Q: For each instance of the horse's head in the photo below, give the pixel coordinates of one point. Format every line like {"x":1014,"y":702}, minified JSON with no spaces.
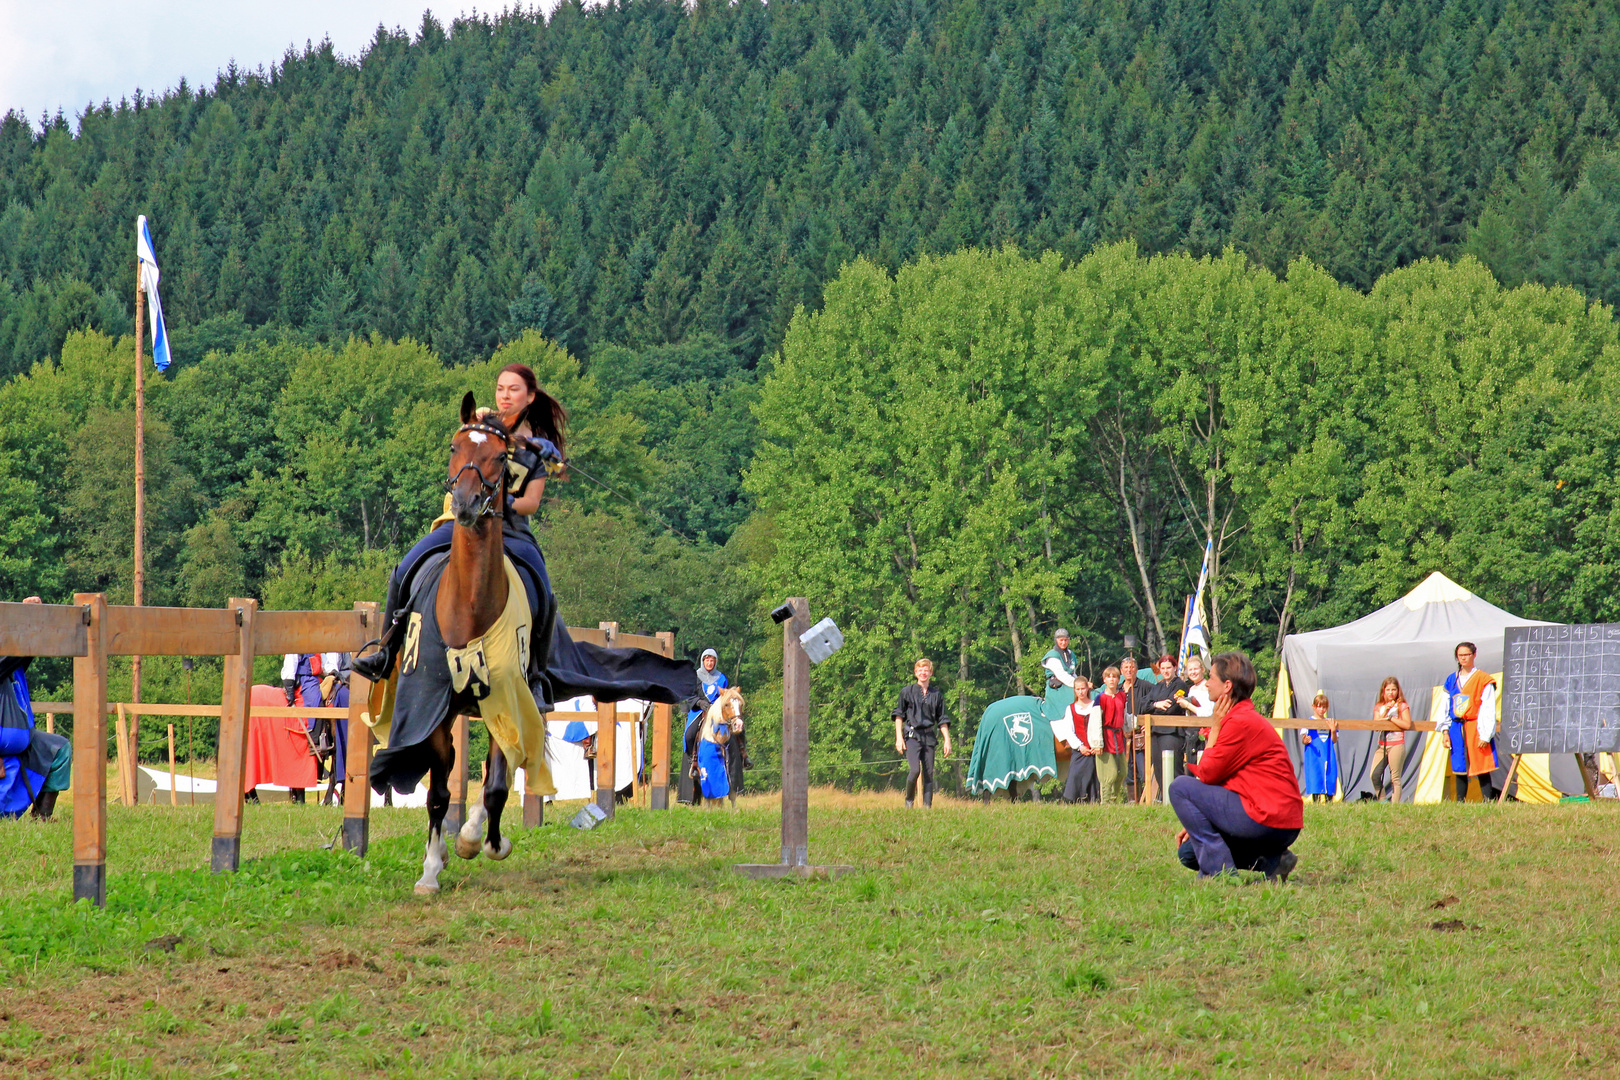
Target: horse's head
{"x":728,"y":709}
{"x":477,"y":483}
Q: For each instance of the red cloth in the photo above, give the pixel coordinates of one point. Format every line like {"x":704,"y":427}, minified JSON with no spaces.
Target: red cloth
{"x":1113,"y":721}
{"x":1248,"y":758}
{"x":277,"y":747}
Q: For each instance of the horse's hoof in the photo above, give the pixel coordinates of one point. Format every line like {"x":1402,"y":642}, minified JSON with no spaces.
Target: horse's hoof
{"x":468,"y":849}
{"x":506,"y":849}
{"x":424,"y":889}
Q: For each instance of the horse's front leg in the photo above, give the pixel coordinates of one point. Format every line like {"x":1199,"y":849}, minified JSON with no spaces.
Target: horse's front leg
{"x":442,"y":747}
{"x":497,"y":784}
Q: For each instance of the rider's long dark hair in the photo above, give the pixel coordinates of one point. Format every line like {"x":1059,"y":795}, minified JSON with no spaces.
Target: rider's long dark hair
{"x":545,"y":415}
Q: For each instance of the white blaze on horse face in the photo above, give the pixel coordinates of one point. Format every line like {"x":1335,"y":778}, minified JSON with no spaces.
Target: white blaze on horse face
{"x":478,"y":437}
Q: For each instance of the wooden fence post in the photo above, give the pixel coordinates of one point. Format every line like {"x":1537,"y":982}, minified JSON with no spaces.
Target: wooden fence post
{"x":357,"y":763}
{"x":456,"y":815}
{"x":795,"y":737}
{"x":660,"y":738}
{"x":607,"y":740}
{"x":90,"y":755}
{"x":234,"y":700}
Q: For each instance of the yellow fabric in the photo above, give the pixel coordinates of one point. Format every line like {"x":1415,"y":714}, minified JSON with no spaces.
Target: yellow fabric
{"x":514,"y":720}
{"x":444,"y":515}
{"x":1283,"y":707}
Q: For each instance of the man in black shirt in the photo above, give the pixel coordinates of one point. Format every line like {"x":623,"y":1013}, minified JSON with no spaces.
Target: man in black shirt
{"x":919,"y":720}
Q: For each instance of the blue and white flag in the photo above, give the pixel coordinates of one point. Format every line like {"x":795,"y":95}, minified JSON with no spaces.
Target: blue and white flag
{"x":149,"y":280}
{"x":1193,"y":632}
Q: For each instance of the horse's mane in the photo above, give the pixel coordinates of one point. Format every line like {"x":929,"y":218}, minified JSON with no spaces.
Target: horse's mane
{"x":490,"y":418}
{"x":717,"y":711}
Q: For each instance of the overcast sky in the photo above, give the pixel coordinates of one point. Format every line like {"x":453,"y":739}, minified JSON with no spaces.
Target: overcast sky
{"x":70,"y":53}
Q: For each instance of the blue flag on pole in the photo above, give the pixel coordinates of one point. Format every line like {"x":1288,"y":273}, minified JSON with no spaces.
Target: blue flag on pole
{"x":149,"y":280}
{"x":1194,"y":632}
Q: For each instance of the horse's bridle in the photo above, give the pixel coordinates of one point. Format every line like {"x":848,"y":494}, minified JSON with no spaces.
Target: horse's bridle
{"x":489,"y":504}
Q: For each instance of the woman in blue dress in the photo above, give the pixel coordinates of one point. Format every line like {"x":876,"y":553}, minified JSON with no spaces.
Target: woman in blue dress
{"x":712,"y":681}
{"x":1321,"y":753}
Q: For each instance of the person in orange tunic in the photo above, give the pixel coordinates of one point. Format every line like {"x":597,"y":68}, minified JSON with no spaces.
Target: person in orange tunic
{"x":1470,"y":732}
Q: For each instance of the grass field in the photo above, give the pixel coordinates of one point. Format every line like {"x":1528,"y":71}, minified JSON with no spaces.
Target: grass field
{"x":1002,"y":940}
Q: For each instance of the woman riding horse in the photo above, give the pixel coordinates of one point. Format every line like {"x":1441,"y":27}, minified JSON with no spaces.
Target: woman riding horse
{"x":538,"y":424}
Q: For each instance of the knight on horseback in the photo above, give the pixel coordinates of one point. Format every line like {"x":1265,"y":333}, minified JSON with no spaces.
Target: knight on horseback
{"x":472,"y":628}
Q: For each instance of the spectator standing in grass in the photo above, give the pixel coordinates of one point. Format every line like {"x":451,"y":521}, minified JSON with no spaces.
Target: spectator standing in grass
{"x":1086,"y":717}
{"x":1321,"y":752}
{"x":920,"y":721}
{"x":1470,"y":727}
{"x":1159,"y":700}
{"x":1135,"y":692}
{"x":1196,"y":703}
{"x":1110,"y":757}
{"x":1390,"y":754}
{"x":1239,"y":807}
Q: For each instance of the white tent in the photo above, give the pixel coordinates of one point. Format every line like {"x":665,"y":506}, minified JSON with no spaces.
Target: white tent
{"x":1413,"y":639}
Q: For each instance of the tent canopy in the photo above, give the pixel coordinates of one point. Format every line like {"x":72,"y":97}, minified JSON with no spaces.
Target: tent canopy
{"x":1413,"y":639}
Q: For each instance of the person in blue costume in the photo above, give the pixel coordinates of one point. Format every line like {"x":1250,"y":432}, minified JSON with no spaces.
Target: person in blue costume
{"x":35,"y":765}
{"x":1320,"y":756}
{"x":712,"y":680}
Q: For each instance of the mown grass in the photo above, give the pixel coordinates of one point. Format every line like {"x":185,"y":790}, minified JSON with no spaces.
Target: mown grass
{"x":974,"y":940}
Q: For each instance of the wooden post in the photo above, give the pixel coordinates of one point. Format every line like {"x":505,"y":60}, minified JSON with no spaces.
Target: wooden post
{"x":1507,"y":781}
{"x":795,"y":737}
{"x":50,"y":723}
{"x":140,"y":472}
{"x":607,"y":739}
{"x":357,"y":763}
{"x":233,"y":735}
{"x":1147,"y":759}
{"x":534,"y":811}
{"x":456,"y":815}
{"x":1586,"y":777}
{"x":659,"y":799}
{"x":795,"y":759}
{"x":90,"y":754}
{"x":174,"y":795}
{"x":126,"y":782}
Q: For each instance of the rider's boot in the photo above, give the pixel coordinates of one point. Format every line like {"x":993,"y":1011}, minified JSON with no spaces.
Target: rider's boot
{"x":377,"y":666}
{"x":45,"y":805}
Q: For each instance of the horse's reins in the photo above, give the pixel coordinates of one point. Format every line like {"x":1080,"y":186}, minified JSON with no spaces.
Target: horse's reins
{"x":491,"y":488}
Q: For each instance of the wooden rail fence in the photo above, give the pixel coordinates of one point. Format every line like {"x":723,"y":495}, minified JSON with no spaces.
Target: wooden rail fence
{"x":90,"y":631}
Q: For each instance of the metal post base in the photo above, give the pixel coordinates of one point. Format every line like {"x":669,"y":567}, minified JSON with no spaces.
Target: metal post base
{"x":227,"y":854}
{"x":356,"y":833}
{"x":90,"y":883}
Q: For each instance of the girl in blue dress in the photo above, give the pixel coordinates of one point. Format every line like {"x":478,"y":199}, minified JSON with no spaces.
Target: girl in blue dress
{"x":1321,"y":753}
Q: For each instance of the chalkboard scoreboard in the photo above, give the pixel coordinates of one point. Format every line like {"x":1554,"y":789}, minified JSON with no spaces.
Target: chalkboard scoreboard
{"x":1561,"y":689}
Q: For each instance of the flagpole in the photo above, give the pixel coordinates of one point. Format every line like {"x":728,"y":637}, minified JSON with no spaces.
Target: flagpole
{"x":140,"y":488}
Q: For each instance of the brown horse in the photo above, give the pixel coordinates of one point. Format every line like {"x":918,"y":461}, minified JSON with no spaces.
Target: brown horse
{"x":472,"y":596}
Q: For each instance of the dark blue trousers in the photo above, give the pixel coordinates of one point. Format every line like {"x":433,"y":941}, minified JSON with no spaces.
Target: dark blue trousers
{"x":1221,"y":836}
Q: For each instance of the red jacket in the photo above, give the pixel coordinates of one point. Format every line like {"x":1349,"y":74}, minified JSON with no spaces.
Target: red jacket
{"x":1249,"y":758}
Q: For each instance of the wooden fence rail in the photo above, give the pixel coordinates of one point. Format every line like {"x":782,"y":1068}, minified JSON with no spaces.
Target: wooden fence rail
{"x":90,"y":631}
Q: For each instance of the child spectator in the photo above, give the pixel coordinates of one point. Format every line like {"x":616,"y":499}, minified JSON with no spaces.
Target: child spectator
{"x":1110,"y":758}
{"x":1086,"y":717}
{"x":1390,"y":753}
{"x":1321,"y":757}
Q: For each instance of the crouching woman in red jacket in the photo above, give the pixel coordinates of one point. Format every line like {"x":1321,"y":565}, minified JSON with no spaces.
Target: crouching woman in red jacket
{"x":1239,"y":807}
